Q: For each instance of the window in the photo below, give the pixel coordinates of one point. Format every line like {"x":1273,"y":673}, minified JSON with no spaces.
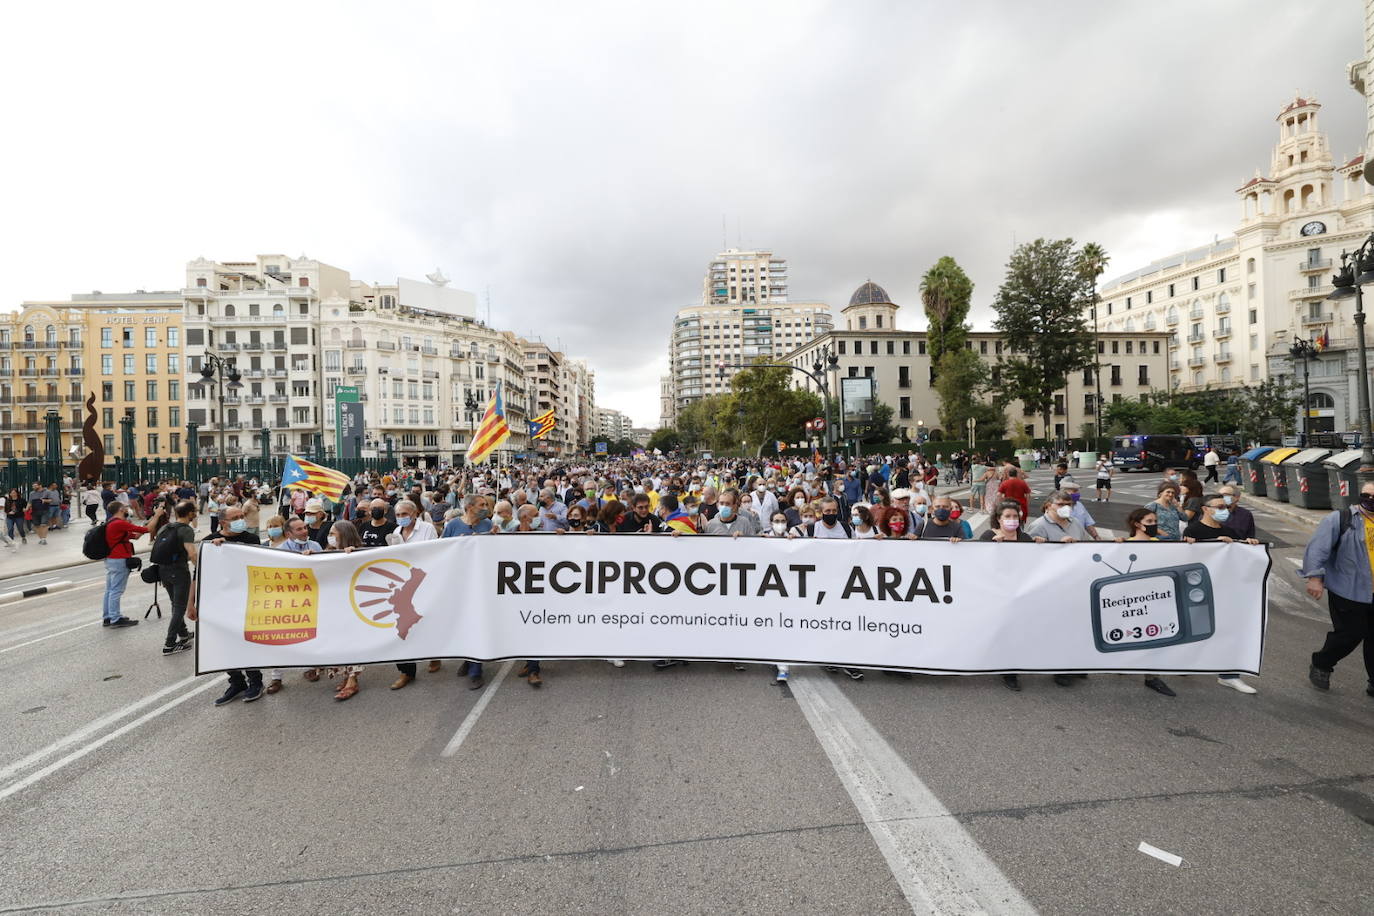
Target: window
{"x":174,"y":390}
{"x":903,"y":376}
{"x":1156,"y":348}
{"x":879,"y":320}
{"x":1116,"y":346}
{"x":150,"y":363}
{"x":1250,"y":291}
{"x":1089,"y":407}
{"x":1143,"y":376}
{"x":853,"y":371}
{"x":983,"y":347}
{"x":129,"y":393}
{"x":921,"y":347}
{"x":173,"y":338}
{"x":1129,"y":344}
{"x":107,"y":337}
{"x":1254,"y":316}
{"x":1171,"y":291}
{"x":174,"y":418}
{"x":107,"y":417}
{"x":904,"y":408}
{"x":107,"y":391}
{"x":891,"y":348}
{"x":1254,"y":373}
{"x":106,"y":364}
{"x":906,"y":348}
{"x":1116,"y":375}
{"x":1195,"y":284}
{"x":1221,"y":274}
{"x":150,"y":337}
{"x":152,"y":417}
{"x":1313,"y":281}
{"x":863,"y":323}
{"x":1149,"y":296}
{"x":1254,"y":341}
{"x":127,"y":337}
{"x":872,"y":348}
{"x":129,"y":364}
{"x":842,"y":348}
{"x":174,"y":442}
{"x":151,"y":393}
{"x":173,"y":363}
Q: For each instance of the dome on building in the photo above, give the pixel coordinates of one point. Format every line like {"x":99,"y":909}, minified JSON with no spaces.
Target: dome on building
{"x":869,"y":294}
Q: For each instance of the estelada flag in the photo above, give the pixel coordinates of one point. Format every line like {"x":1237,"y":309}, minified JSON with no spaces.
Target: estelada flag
{"x":492,"y":431}
{"x":314,"y":477}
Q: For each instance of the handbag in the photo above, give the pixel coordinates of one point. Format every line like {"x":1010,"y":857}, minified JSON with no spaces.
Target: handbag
{"x":133,"y":563}
{"x":150,"y":574}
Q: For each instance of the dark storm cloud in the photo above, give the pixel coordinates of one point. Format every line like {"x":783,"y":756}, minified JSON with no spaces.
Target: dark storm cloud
{"x":576,"y":160}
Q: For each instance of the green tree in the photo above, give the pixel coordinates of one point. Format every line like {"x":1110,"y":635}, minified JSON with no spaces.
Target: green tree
{"x":706,"y":424}
{"x":945,"y":292}
{"x":1040,"y":311}
{"x":666,"y":439}
{"x":962,"y":383}
{"x":1271,"y":405}
{"x":767,"y":408}
{"x":1094,"y":259}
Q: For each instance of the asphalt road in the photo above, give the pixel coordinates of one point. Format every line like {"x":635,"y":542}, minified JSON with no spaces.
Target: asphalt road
{"x":696,"y":789}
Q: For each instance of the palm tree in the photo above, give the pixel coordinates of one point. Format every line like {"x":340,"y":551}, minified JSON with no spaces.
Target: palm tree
{"x":1093,"y":259}
{"x":945,"y":292}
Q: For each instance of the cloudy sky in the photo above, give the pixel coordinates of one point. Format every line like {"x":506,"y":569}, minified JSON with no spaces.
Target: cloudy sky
{"x":575,"y":160}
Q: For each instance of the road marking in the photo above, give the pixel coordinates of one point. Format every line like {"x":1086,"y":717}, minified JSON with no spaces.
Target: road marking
{"x":18,"y":597}
{"x":939,"y":866}
{"x":49,"y":636}
{"x":1296,"y":561}
{"x":85,"y":732}
{"x":461,"y":734}
{"x":95,"y":745}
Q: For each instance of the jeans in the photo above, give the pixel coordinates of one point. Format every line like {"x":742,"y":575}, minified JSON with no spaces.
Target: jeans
{"x":15,"y":523}
{"x":116,"y":578}
{"x":1350,"y":625}
{"x":242,"y":679}
{"x":177,"y":579}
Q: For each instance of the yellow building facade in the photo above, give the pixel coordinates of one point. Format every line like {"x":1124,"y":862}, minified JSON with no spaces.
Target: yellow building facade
{"x":126,"y":349}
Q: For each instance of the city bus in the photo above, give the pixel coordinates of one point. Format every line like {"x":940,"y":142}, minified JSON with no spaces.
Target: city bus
{"x":1146,"y":452}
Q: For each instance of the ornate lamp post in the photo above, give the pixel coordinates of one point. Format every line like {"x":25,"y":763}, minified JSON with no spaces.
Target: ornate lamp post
{"x":1356,"y":270}
{"x":224,"y":374}
{"x":1303,"y":350}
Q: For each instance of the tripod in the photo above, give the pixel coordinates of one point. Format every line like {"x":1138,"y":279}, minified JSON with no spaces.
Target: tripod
{"x":155,"y":606}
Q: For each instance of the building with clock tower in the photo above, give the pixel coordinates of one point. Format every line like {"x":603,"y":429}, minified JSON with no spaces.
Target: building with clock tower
{"x":1234,"y":308}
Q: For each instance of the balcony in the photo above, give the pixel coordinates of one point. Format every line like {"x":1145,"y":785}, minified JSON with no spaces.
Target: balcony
{"x":429,"y":351}
{"x":277,"y":346}
{"x":1196,"y":362}
{"x":74,"y":398}
{"x":1175,"y":365}
{"x":1195,"y":314}
{"x":228,"y":347}
{"x":1223,"y":332}
{"x":1173,"y":342}
{"x":1322,"y":318}
{"x":1223,"y":308}
{"x":278,"y":398}
{"x":1116,"y":381}
{"x":28,"y":373}
{"x":254,"y":399}
{"x":1311,"y":292}
{"x":53,"y":398}
{"x":1196,"y":337}
{"x":1171,"y":319}
{"x":254,"y":373}
{"x":277,"y":373}
{"x":1224,"y":357}
{"x":50,"y":373}
{"x":430,"y":373}
{"x":6,"y":372}
{"x":1312,"y":265}
{"x":36,"y":345}
{"x":75,"y":371}
{"x":356,"y":345}
{"x":386,"y":345}
{"x":253,"y":347}
{"x":356,"y":370}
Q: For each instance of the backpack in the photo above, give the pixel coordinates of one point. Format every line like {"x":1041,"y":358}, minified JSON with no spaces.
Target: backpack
{"x":1340,"y":531}
{"x":167,"y":546}
{"x":94,"y":545}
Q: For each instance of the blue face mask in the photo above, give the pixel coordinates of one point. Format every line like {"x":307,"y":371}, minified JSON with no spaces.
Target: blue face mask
{"x":274,"y":532}
{"x":726,"y":512}
{"x":238,"y":525}
{"x":404,"y":521}
{"x":1221,"y":515}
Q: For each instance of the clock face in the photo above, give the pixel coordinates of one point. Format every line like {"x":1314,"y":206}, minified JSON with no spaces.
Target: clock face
{"x":1315,"y":227}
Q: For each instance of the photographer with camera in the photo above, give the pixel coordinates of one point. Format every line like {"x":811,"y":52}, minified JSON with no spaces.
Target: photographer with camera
{"x":120,"y":534}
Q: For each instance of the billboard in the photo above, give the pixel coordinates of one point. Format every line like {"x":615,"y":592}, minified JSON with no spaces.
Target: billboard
{"x":857,"y":400}
{"x":433,"y":298}
{"x":348,"y":422}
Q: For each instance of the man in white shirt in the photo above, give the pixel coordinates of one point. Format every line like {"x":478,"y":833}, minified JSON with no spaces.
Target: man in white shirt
{"x":1211,"y":461}
{"x":1058,"y":523}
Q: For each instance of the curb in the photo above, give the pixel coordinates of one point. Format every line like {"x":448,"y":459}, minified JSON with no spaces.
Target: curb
{"x":1302,"y":516}
{"x":9,"y":597}
{"x":63,"y":564}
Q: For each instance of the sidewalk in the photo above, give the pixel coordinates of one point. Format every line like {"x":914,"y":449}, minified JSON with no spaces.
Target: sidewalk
{"x":63,"y":549}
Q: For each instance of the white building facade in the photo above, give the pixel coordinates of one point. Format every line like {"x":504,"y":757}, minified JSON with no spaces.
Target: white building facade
{"x":1232,"y":309}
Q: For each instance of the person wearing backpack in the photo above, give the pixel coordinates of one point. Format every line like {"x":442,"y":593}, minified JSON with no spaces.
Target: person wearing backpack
{"x":119,"y":536}
{"x":173,"y":548}
{"x":1337,"y":563}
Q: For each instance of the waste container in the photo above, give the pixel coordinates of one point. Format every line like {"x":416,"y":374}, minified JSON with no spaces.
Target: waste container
{"x":1342,"y":486}
{"x":1271,"y":466}
{"x":1304,"y":477}
{"x":1251,"y":474}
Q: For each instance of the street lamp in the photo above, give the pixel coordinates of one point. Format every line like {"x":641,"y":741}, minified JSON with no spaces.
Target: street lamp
{"x":1357,"y":270}
{"x":223,"y":373}
{"x":1303,"y":350}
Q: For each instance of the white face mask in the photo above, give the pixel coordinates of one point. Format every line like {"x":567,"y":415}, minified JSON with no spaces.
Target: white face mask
{"x":333,"y":540}
{"x":1064,"y":511}
{"x":779,"y":527}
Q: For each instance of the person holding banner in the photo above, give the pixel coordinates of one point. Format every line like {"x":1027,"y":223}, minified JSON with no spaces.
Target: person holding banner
{"x":1210,"y":525}
{"x":1144,"y":525}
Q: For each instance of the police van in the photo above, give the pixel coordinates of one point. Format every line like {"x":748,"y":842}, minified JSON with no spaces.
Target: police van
{"x":1226,"y":446}
{"x":1145,"y":452}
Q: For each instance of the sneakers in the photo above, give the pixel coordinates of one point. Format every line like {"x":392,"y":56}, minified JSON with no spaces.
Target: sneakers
{"x":781,"y":676}
{"x":1319,"y":678}
{"x":535,"y":680}
{"x":1011,"y":682}
{"x":618,"y":662}
{"x":1158,"y":686}
{"x":1235,"y":683}
{"x":181,"y":645}
{"x":229,"y":695}
{"x":122,"y":622}
{"x":254,"y":692}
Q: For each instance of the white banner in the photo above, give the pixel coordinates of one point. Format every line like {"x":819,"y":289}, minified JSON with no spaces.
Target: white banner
{"x":927,"y":606}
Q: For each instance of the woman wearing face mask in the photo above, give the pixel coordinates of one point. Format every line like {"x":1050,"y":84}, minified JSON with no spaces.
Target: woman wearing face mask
{"x":796,"y":501}
{"x":861,"y":520}
{"x":276,"y":532}
{"x":342,"y":537}
{"x":778,"y":527}
{"x":1006,"y":528}
{"x":807,"y":518}
{"x":1144,"y":526}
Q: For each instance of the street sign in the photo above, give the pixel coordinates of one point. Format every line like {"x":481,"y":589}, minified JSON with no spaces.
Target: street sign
{"x":346,"y":444}
{"x":601,"y":448}
{"x":818,"y":424}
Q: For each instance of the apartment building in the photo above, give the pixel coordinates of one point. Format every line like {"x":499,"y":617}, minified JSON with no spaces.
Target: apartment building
{"x":612,"y":425}
{"x":125,"y":348}
{"x":899,"y":362}
{"x":1232,"y":309}
{"x":740,"y":277}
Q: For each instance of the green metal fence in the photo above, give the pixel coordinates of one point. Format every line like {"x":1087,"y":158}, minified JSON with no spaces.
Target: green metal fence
{"x":23,"y":474}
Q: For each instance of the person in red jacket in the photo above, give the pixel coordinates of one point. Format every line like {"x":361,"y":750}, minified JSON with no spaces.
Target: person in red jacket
{"x":1015,"y":488}
{"x":120,"y":534}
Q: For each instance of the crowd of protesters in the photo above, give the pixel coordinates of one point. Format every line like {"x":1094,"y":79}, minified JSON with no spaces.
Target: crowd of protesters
{"x":903,"y":497}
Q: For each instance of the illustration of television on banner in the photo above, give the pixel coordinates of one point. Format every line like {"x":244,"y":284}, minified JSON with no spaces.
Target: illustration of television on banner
{"x":1149,"y":608}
